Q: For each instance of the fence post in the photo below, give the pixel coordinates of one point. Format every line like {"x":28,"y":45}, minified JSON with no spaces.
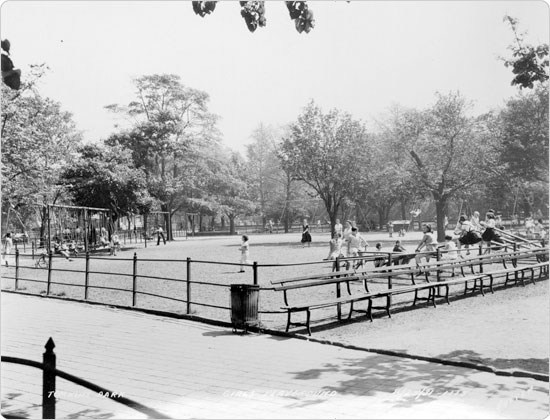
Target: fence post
{"x":188,"y":299}
{"x":134,"y":280}
{"x":16,"y":268}
{"x":32,"y":249}
{"x":338,"y":306}
{"x":438,"y":258}
{"x":255,"y":271}
{"x":86,"y":275}
{"x":48,"y":381}
{"x":50,"y":257}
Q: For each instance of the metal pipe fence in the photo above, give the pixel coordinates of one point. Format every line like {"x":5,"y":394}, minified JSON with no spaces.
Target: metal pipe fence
{"x":139,"y":282}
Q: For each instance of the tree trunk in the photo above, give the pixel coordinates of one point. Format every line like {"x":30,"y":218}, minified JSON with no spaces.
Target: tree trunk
{"x":404,"y":215}
{"x":231,"y":224}
{"x":440,"y":206}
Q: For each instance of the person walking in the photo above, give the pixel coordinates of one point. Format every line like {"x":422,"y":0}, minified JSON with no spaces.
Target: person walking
{"x":390,"y":229}
{"x":355,"y":244}
{"x":245,"y":252}
{"x":428,"y":241}
{"x":8,"y":245}
{"x":160,"y":234}
{"x":306,"y":236}
{"x":338,"y":228}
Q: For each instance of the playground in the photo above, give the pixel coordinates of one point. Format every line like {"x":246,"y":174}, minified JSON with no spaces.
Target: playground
{"x":507,"y":319}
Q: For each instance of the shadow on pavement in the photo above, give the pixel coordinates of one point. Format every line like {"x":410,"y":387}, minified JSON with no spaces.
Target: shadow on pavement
{"x":408,"y":383}
{"x":529,"y":365}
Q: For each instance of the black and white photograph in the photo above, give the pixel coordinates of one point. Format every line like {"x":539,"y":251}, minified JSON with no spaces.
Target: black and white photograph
{"x":275,"y":209}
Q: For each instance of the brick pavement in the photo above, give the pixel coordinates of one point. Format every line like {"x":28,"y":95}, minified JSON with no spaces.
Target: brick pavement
{"x":186,"y":369}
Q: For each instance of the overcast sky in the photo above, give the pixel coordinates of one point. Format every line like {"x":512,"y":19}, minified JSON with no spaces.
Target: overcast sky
{"x":361,"y":57}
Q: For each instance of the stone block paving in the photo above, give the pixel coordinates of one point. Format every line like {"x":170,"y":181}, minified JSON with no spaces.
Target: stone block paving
{"x":185,"y":369}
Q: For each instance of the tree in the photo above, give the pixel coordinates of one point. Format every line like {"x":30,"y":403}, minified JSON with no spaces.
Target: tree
{"x":105,"y":177}
{"x":530,"y":64}
{"x":450,"y":151}
{"x":171,"y":124}
{"x":326,"y":151}
{"x":228,"y":187}
{"x":38,"y":141}
{"x":264,"y":172}
{"x":525,"y":135}
{"x":524,"y":152}
{"x":10,"y":75}
{"x":253,"y":13}
{"x":392,"y":163}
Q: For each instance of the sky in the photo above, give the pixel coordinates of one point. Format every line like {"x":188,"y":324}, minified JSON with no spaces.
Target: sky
{"x":362,"y":57}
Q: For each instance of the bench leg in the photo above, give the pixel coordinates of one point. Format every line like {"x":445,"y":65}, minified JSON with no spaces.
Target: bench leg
{"x":288,"y":321}
{"x":523,"y":278}
{"x":507,"y":280}
{"x":481,"y":286}
{"x":491,"y":283}
{"x":369,"y":310}
{"x":533,"y":276}
{"x":415,"y":297}
{"x":307,"y":321}
{"x":431,"y":295}
{"x":388,"y":304}
{"x":350,"y":309}
{"x":447,"y":294}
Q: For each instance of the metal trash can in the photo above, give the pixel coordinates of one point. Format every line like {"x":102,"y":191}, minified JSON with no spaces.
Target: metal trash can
{"x":244,"y":305}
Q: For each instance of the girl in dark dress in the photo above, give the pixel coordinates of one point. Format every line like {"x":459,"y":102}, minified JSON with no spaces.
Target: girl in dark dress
{"x":306,"y":237}
{"x":467,"y":234}
{"x":490,"y":237}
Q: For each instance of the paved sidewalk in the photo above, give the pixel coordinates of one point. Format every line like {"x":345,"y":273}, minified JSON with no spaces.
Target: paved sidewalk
{"x":191,"y":370}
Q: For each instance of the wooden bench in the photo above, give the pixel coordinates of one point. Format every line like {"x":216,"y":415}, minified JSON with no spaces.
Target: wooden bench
{"x":434,"y":290}
{"x":335,"y":278}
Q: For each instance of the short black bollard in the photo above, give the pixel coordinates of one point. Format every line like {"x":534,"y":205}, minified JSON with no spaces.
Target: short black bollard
{"x":48,"y":381}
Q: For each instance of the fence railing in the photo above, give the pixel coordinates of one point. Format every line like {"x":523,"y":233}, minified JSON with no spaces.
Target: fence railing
{"x":142,"y":278}
{"x":50,"y":373}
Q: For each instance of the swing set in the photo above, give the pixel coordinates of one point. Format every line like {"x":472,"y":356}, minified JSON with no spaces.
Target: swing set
{"x":88,"y":227}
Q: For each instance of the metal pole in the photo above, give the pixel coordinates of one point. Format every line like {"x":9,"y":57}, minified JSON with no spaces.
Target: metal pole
{"x":255,"y":271}
{"x":16,"y":268}
{"x":50,"y":257}
{"x":438,"y":258}
{"x":86,"y":275}
{"x":338,"y":306}
{"x":48,"y":246}
{"x":48,"y":381}
{"x":86,"y":231}
{"x":188,"y":285}
{"x":134,"y":280}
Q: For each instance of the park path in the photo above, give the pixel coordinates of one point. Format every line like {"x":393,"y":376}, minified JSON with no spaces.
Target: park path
{"x":186,"y":369}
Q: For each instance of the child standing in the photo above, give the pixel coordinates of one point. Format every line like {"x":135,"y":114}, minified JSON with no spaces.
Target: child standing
{"x":8,"y":245}
{"x":244,"y":252}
